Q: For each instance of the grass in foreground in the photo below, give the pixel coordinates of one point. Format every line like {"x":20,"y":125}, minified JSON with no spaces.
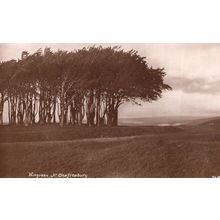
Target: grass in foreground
{"x":57,"y":133}
{"x":156,"y":154}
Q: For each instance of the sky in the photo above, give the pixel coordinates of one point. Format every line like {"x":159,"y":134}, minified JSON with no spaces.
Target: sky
{"x":193,"y":71}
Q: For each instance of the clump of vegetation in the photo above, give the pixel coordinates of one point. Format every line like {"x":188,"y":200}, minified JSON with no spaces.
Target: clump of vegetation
{"x":69,"y":87}
{"x":161,"y":141}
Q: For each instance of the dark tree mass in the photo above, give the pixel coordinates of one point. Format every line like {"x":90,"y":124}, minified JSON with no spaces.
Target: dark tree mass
{"x":84,"y":86}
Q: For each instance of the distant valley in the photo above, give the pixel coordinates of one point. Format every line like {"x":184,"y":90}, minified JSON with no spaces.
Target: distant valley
{"x":165,"y":121}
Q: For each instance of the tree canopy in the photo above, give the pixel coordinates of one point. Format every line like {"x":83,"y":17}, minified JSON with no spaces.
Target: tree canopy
{"x":88,"y":84}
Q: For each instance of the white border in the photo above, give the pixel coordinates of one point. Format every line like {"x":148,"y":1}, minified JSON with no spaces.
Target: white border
{"x":112,"y":21}
{"x":110,"y":199}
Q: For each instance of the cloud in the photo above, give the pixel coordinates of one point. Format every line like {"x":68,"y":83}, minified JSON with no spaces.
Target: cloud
{"x":196,"y":85}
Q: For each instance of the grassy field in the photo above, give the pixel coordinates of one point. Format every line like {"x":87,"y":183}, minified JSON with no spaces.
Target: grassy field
{"x":110,"y":152}
{"x":56,"y":133}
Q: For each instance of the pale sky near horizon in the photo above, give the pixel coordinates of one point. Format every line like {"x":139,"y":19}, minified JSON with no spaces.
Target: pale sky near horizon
{"x":193,"y":70}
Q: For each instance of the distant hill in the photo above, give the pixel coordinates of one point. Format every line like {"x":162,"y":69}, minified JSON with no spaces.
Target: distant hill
{"x":166,"y":121}
{"x":212,"y":123}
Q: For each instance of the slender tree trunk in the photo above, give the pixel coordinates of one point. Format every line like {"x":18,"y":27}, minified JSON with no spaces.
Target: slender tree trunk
{"x":54,"y":109}
{"x":115,"y":117}
{"x":62,"y":111}
{"x":9,"y":111}
{"x":2,"y":102}
{"x":1,"y":112}
{"x":98,"y":111}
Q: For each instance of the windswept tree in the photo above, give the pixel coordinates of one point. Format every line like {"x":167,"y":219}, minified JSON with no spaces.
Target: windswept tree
{"x":3,"y":89}
{"x":115,"y":76}
{"x":85,"y":86}
{"x":7,"y":69}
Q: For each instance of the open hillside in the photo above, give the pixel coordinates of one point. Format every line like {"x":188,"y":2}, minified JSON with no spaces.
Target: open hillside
{"x":150,"y":151}
{"x":165,"y":121}
{"x":212,"y":123}
{"x":52,"y":132}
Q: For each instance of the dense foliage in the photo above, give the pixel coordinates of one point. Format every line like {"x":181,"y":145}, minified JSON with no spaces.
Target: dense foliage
{"x":73,"y":87}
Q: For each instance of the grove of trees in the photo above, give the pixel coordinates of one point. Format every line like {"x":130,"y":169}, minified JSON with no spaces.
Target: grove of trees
{"x":84,"y":86}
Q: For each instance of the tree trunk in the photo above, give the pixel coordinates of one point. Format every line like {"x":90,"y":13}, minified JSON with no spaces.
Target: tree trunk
{"x":98,"y":109}
{"x":9,"y":111}
{"x":54,"y":110}
{"x":62,"y":112}
{"x":115,"y":117}
{"x":1,"y":110}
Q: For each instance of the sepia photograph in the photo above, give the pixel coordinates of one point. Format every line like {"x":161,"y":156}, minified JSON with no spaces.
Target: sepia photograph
{"x":108,"y":110}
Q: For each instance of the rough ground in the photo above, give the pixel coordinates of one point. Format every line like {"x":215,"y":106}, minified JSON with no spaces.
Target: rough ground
{"x":110,"y":152}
